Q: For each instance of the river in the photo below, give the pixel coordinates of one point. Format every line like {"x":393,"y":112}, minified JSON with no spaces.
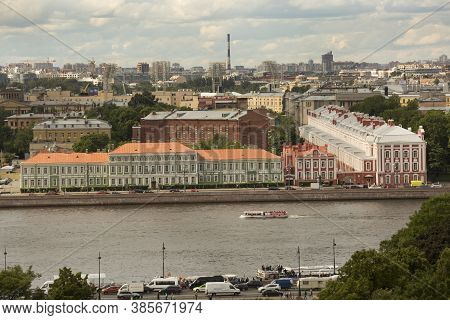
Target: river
{"x":199,"y":239}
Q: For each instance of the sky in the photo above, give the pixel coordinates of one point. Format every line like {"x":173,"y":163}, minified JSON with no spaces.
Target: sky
{"x":193,"y":32}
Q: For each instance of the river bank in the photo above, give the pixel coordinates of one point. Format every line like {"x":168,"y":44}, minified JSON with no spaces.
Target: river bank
{"x":215,"y":196}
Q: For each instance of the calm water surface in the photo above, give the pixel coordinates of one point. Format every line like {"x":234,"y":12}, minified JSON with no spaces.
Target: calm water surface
{"x":200,"y":239}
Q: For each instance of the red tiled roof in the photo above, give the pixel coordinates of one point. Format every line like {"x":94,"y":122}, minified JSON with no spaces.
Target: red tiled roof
{"x":162,"y":147}
{"x":236,"y":154}
{"x":54,"y":158}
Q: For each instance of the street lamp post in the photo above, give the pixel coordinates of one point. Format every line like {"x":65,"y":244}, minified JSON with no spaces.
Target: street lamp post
{"x":5,"y":253}
{"x":334,"y":257}
{"x":99,"y":279}
{"x":299,"y":273}
{"x":163,"y":258}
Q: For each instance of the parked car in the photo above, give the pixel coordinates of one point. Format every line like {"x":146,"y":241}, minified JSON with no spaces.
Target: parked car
{"x":436,"y":185}
{"x":290,"y":188}
{"x":221,"y":288}
{"x":170,"y":290}
{"x":284,"y":283}
{"x":102,"y":192}
{"x":374,"y":186}
{"x":273,"y":188}
{"x":110,"y":290}
{"x":241,"y":286}
{"x":174,"y":190}
{"x":52,"y":193}
{"x":272,"y":293}
{"x":254,"y":283}
{"x":202,"y":280}
{"x":127,"y":295}
{"x":270,"y":286}
{"x":194,"y":190}
{"x":201,"y":288}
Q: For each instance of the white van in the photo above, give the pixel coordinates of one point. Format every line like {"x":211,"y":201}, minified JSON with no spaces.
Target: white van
{"x":162,"y":283}
{"x":221,"y":288}
{"x":47,"y":286}
{"x":315,"y":283}
{"x":137,"y":287}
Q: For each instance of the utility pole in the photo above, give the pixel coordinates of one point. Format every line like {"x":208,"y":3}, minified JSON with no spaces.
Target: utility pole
{"x":99,"y":279}
{"x":299,"y":273}
{"x":5,"y":253}
{"x":334,"y":257}
{"x":163,"y":257}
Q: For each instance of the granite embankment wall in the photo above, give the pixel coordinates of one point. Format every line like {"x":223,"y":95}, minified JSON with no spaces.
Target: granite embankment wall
{"x":22,"y":201}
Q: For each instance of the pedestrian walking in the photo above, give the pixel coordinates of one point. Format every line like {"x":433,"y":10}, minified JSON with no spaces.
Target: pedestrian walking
{"x":157,"y":296}
{"x":196,"y":295}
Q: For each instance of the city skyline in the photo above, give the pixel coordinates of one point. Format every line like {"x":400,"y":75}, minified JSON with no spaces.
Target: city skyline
{"x":124,"y":32}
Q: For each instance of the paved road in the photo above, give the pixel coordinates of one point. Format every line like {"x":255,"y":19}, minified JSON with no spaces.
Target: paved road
{"x":187,"y":294}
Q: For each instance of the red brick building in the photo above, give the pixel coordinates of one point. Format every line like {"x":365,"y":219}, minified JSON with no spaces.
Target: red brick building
{"x":249,"y":128}
{"x":307,"y":163}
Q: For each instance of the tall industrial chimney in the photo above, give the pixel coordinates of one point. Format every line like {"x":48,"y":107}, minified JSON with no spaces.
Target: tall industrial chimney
{"x":229,"y":54}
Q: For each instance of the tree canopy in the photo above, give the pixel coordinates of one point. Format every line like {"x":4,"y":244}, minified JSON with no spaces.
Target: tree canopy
{"x":15,"y":283}
{"x":413,"y":264}
{"x":92,"y":143}
{"x":285,"y":132}
{"x":70,"y":286}
{"x":14,"y":141}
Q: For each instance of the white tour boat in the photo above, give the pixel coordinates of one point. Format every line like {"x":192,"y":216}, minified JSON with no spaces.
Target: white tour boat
{"x":264,"y":215}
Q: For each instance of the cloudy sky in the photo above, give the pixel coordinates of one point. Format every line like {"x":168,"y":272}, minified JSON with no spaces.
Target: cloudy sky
{"x":193,"y":32}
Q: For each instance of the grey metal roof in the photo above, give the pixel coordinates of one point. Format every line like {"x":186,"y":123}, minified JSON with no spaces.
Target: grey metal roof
{"x":196,"y":115}
{"x":73,"y":124}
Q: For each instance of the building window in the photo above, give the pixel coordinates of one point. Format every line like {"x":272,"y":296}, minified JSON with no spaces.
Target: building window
{"x":396,"y":154}
{"x":330,"y":164}
{"x":415,"y":154}
{"x":316,"y":164}
{"x":406,"y":179}
{"x":330,"y":175}
{"x":406,"y":166}
{"x":368,"y":166}
{"x":397,"y":179}
{"x":415,"y":166}
{"x":387,"y":154}
{"x":307,"y":164}
{"x":388,"y":179}
{"x":323,"y":164}
{"x":396,"y":166}
{"x":387,"y":167}
{"x":405,"y":153}
{"x":416,"y":177}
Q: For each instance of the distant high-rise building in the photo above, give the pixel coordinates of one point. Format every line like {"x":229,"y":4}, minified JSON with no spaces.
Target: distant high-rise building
{"x":327,"y":62}
{"x":443,"y":59}
{"x":310,"y":65}
{"x":161,"y":70}
{"x":217,"y":71}
{"x":143,"y":67}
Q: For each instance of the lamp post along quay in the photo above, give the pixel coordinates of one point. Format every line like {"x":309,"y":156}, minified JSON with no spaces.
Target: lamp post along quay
{"x":99,"y":280}
{"x":163,"y":258}
{"x":299,"y":273}
{"x":334,"y":257}
{"x":5,"y":254}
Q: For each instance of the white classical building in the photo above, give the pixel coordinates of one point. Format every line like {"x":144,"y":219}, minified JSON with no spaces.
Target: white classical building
{"x":368,"y":150}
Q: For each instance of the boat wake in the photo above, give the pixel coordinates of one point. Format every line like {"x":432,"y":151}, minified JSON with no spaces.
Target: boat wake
{"x":294,"y":216}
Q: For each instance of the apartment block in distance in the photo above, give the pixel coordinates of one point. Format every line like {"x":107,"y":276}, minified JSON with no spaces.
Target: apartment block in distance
{"x":368,"y":150}
{"x":62,"y":133}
